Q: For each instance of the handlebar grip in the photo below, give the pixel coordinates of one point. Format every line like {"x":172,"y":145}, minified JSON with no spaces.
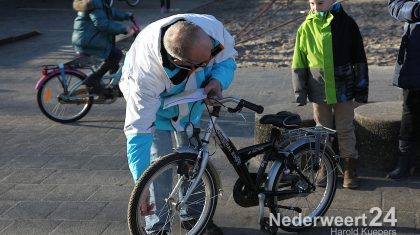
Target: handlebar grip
{"x":252,"y":106}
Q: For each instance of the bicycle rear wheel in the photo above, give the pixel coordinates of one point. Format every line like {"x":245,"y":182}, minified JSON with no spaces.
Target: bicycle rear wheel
{"x":151,"y":208}
{"x":57,"y":104}
{"x":309,"y":203}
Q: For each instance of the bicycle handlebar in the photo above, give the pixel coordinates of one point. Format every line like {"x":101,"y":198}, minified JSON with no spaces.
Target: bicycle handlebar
{"x":134,"y":26}
{"x":241,"y":103}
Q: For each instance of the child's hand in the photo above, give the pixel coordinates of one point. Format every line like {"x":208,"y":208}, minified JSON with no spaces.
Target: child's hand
{"x":129,"y":30}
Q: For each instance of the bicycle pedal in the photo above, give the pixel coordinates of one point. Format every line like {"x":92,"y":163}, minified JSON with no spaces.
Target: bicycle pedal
{"x":266,"y":227}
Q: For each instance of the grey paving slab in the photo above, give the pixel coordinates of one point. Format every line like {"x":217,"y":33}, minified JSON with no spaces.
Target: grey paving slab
{"x":102,"y":149}
{"x":71,"y":192}
{"x":106,"y":139}
{"x":28,"y":149}
{"x":7,"y":154}
{"x":28,"y":161}
{"x":403,"y":200}
{"x":30,"y":227}
{"x":106,"y":162}
{"x":113,"y":211}
{"x":61,"y":137}
{"x":77,"y":210}
{"x":28,"y":176}
{"x":6,"y":205}
{"x":32,"y":192}
{"x":4,"y":224}
{"x":67,"y":162}
{"x":69,"y":177}
{"x":4,"y":187}
{"x":80,"y":228}
{"x":116,"y":228}
{"x":112,"y":178}
{"x":12,"y":137}
{"x":5,"y":172}
{"x":63,"y":149}
{"x":30,"y":210}
{"x":351,"y":199}
{"x":112,"y":193}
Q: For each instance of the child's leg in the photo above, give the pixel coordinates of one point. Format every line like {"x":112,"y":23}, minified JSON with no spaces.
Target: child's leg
{"x":344,"y":116}
{"x":323,"y":117}
{"x":323,"y":114}
{"x":114,"y":59}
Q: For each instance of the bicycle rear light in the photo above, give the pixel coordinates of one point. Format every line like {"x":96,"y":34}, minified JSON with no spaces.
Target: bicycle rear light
{"x":44,"y":71}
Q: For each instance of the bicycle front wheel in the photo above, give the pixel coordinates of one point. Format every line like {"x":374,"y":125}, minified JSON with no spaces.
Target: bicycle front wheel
{"x":64,"y":105}
{"x":155,"y":201}
{"x":315,"y":180}
{"x":132,"y":3}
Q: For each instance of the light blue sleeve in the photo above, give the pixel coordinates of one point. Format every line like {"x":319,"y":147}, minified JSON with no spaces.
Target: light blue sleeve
{"x":224,"y":72}
{"x":138,"y":153}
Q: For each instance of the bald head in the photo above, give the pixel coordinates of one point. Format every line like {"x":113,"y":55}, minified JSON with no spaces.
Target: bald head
{"x":187,"y":42}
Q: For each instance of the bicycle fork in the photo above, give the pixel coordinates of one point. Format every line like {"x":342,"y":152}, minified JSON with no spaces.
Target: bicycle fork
{"x":203,"y":155}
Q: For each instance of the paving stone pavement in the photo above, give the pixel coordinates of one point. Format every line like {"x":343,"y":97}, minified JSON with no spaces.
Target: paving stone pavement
{"x":74,"y":179}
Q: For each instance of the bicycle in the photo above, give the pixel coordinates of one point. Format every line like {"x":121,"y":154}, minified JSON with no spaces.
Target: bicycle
{"x":62,"y":95}
{"x":293,"y":185}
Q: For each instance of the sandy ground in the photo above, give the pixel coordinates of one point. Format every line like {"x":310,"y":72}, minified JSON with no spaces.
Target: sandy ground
{"x":381,"y":33}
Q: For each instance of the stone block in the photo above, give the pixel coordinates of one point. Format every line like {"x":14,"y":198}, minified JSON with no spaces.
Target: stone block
{"x":377,"y":127}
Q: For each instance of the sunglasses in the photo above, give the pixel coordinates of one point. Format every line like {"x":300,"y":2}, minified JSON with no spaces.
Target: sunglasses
{"x":191,"y":65}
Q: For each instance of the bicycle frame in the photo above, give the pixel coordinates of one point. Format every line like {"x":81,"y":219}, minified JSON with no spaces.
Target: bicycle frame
{"x":239,"y":158}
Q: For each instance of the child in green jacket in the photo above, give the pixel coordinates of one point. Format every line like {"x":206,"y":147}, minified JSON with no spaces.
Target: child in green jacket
{"x":330,"y":70}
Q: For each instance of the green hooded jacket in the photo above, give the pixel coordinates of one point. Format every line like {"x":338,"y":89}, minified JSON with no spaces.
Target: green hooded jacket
{"x":313,"y":50}
{"x":329,"y":62}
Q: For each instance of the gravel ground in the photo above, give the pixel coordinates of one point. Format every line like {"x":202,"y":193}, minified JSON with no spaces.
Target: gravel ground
{"x":381,"y":33}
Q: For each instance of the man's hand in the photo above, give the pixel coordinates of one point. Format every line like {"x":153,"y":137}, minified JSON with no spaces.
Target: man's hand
{"x":146,"y":208}
{"x":213,"y":89}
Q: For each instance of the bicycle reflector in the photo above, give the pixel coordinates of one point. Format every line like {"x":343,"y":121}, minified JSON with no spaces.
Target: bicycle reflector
{"x":44,"y":71}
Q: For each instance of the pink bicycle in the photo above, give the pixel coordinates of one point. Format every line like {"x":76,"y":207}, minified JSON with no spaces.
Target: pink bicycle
{"x":62,"y":95}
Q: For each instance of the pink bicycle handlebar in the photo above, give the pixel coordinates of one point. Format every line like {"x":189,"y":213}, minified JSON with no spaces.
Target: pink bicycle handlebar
{"x":135,"y":26}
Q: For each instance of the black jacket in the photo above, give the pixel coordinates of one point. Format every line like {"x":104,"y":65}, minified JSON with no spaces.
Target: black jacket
{"x":407,"y":69}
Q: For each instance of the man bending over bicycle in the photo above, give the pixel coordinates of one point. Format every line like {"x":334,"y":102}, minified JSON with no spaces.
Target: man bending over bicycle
{"x":172,"y":55}
{"x":94,"y":34}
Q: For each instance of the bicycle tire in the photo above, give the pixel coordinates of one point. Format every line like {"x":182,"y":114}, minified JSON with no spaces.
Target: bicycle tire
{"x":328,"y":191}
{"x":136,"y":222}
{"x":52,"y":108}
{"x":132,"y":3}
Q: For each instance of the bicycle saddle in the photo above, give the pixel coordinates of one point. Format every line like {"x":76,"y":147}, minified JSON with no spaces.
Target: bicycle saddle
{"x":283,"y":119}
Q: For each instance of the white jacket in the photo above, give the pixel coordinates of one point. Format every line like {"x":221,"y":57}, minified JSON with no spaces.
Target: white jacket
{"x":143,"y":77}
